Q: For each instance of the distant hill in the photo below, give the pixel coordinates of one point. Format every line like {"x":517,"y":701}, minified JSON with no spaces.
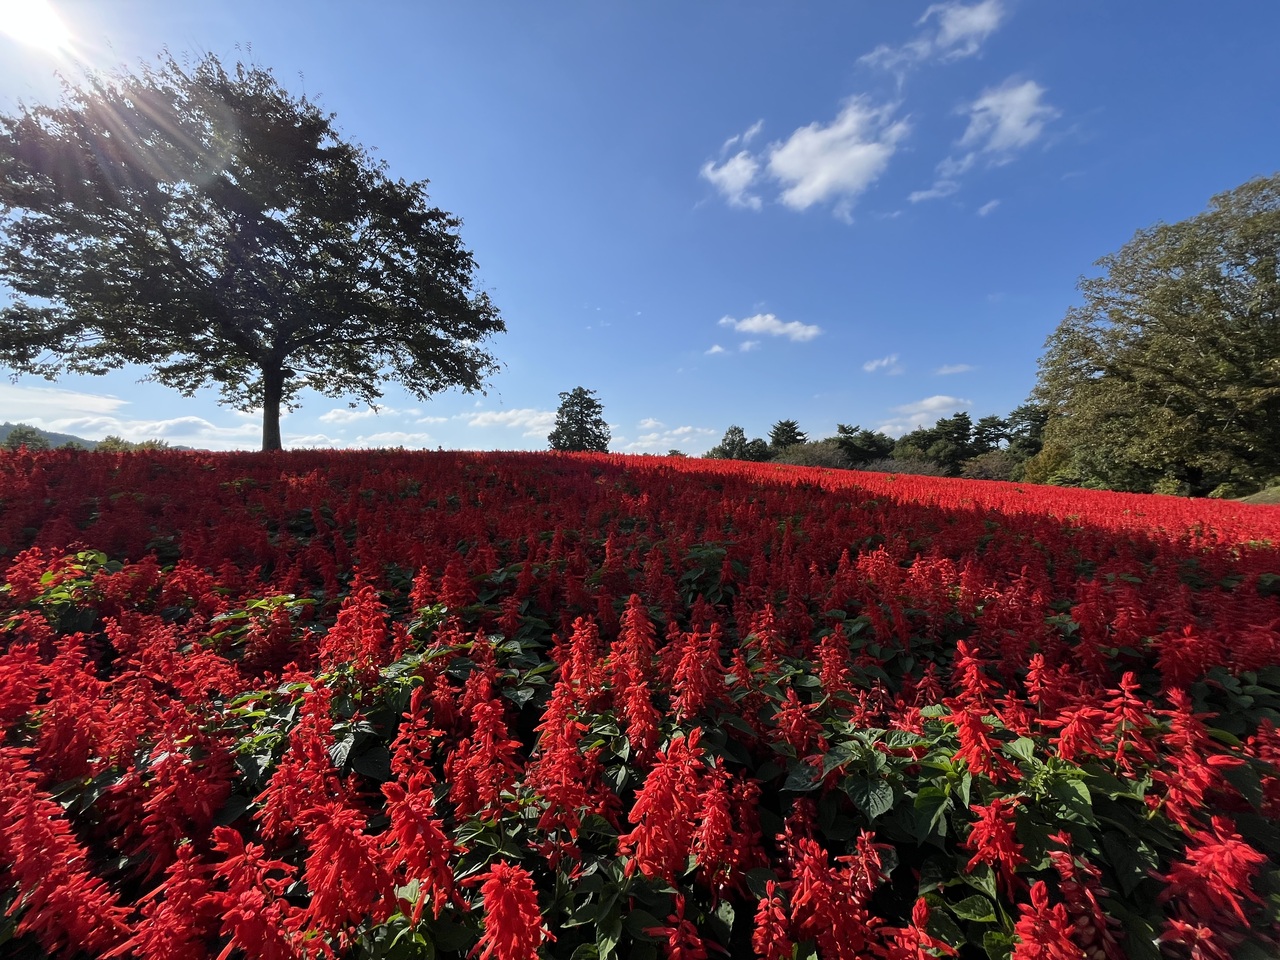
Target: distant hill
{"x":55,"y":439}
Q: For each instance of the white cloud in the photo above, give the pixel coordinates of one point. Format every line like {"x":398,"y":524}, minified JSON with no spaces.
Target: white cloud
{"x":347,"y":415}
{"x":648,"y":423}
{"x":888,"y":364}
{"x":839,"y":161}
{"x":961,"y":29}
{"x":668,"y":439}
{"x":715,"y":348}
{"x":535,"y":423}
{"x":180,"y":431}
{"x":770,"y":325}
{"x":1002,"y":120}
{"x":22,"y":404}
{"x":743,"y":138}
{"x":393,"y":438}
{"x":313,"y":440}
{"x":922,"y":413}
{"x":950,"y":368}
{"x":748,"y":345}
{"x":733,"y":178}
{"x":431,"y":420}
{"x":1007,"y":118}
{"x":940,"y":188}
{"x":952,"y":31}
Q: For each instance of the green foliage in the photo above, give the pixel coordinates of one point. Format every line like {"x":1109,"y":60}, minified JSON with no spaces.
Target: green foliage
{"x":1168,"y":374}
{"x":786,"y":433}
{"x":209,"y":225}
{"x":862,"y":446}
{"x":25,"y":436}
{"x":816,"y":453}
{"x":948,"y":443}
{"x":736,"y":446}
{"x":580,"y":424}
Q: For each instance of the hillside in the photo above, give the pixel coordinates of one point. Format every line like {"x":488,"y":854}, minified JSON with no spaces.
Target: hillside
{"x":55,"y":439}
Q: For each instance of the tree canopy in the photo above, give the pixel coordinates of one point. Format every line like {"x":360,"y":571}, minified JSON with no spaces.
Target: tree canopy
{"x":580,"y":423}
{"x":786,"y":433}
{"x":1167,"y":376}
{"x":205,"y":223}
{"x":736,"y":446}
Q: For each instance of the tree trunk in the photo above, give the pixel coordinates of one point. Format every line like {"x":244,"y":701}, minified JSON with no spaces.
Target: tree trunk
{"x":272,"y":391}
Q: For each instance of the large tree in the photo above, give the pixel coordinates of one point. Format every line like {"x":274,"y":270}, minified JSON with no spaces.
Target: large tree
{"x":1168,"y":374}
{"x":580,"y":423}
{"x":207,"y":224}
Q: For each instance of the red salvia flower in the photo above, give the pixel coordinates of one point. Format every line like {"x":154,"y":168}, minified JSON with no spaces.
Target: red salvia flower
{"x":1044,"y":932}
{"x":994,"y":841}
{"x":416,"y":847}
{"x":680,"y":934}
{"x":914,"y":942}
{"x":664,"y":812}
{"x":771,"y":939}
{"x":344,"y":873}
{"x":513,"y":927}
{"x":1215,"y":880}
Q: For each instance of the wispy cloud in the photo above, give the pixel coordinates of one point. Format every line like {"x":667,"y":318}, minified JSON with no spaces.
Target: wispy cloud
{"x":21,"y":404}
{"x":347,"y":415}
{"x":888,"y":364}
{"x":649,"y":423}
{"x":922,"y":413}
{"x":1007,"y":118}
{"x":394,"y":438}
{"x":733,"y":179}
{"x":534,"y":423}
{"x":748,"y":345}
{"x":686,"y":436}
{"x":950,"y":368}
{"x":940,"y":188}
{"x":950,"y":31}
{"x":988,"y":207}
{"x":715,"y":348}
{"x":769,"y":325}
{"x":1002,"y":121}
{"x":735,"y":173}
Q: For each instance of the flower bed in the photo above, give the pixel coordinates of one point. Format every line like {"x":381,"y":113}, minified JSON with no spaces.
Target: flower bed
{"x":414,"y":705}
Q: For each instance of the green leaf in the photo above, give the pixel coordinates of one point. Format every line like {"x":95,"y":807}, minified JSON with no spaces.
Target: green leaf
{"x":997,"y":945}
{"x":1024,"y":749}
{"x":976,"y":908}
{"x":931,"y":807}
{"x":638,"y":921}
{"x":1130,"y":858}
{"x":981,"y":878}
{"x":872,"y":797}
{"x":803,"y":778}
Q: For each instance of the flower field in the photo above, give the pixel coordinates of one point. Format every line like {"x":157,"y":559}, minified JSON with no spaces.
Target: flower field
{"x":399,"y":705}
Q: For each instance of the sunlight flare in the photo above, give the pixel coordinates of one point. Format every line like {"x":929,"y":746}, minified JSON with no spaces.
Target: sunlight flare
{"x":34,"y":23}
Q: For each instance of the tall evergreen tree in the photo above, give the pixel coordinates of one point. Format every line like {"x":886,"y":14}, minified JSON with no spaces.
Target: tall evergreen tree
{"x":580,"y":424}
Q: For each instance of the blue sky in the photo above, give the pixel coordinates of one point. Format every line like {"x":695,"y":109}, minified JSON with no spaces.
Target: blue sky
{"x":721,"y":212}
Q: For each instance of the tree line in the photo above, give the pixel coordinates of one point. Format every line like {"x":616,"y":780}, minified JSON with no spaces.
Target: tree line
{"x":992,"y":448}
